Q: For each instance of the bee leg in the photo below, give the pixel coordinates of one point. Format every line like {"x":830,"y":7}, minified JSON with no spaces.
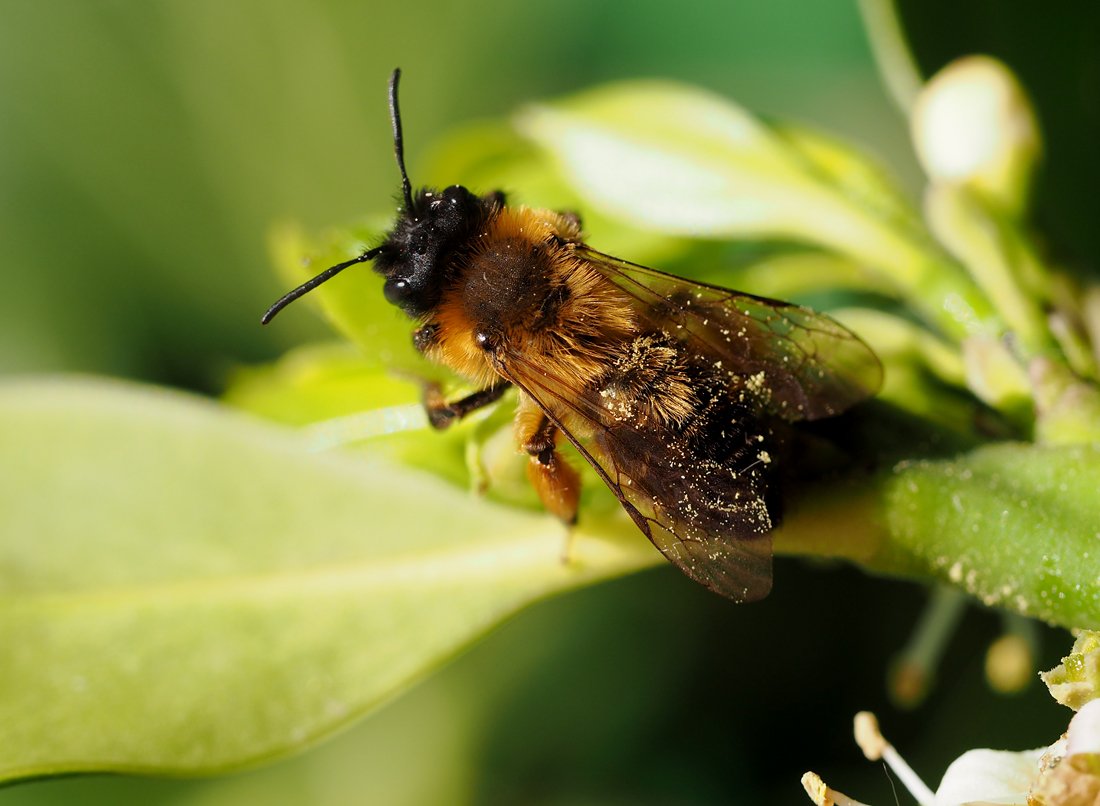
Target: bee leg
{"x":441,"y":413}
{"x":556,"y":482}
{"x":567,"y":545}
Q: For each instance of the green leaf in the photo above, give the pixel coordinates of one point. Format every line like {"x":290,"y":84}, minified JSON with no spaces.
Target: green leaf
{"x":1015,"y":525}
{"x":352,"y":302}
{"x":794,"y":274}
{"x":317,"y":382}
{"x":853,"y":173}
{"x":986,"y":246}
{"x":493,"y":156}
{"x":343,"y":400}
{"x":682,"y":161}
{"x":678,"y":158}
{"x":184,"y":589}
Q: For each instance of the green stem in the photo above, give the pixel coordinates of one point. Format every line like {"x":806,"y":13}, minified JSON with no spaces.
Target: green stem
{"x":1011,"y":524}
{"x":895,"y":60}
{"x":915,"y":667}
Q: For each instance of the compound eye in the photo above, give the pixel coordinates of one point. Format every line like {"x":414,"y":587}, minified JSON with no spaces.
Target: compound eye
{"x":396,"y":291}
{"x":455,"y":194}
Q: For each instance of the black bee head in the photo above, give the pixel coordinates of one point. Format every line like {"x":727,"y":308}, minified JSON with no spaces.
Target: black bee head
{"x":431,"y":233}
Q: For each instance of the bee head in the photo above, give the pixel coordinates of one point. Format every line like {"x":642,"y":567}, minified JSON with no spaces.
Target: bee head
{"x":431,"y":228}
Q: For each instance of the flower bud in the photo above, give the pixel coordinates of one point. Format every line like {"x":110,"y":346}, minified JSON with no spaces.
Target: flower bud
{"x":973,"y":124}
{"x":1076,"y":680}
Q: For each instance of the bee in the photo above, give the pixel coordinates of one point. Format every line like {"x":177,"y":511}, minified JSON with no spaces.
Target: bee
{"x":675,"y":392}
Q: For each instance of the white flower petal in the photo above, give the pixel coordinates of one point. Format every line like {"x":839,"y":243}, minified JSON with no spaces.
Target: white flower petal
{"x":989,"y":776}
{"x":1084,"y":730}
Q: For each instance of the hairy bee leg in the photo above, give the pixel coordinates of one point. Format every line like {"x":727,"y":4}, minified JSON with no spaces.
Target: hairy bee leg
{"x":556,"y":482}
{"x":441,"y":413}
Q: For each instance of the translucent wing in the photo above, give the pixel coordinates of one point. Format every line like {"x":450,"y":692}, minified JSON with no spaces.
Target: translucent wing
{"x":697,"y":490}
{"x":812,"y":366}
{"x":698,"y":485}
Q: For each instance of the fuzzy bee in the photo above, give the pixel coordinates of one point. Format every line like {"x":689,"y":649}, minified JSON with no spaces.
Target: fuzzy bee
{"x":675,"y":392}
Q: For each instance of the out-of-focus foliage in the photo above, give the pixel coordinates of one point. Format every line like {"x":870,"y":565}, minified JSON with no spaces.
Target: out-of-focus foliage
{"x":247,"y":637}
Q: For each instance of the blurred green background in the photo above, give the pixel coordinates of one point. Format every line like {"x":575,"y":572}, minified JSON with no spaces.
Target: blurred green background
{"x":147,"y":148}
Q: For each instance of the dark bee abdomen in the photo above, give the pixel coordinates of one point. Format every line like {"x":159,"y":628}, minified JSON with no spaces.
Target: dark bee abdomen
{"x":724,"y":427}
{"x":645,"y":383}
{"x":688,"y":434}
{"x":652,"y":381}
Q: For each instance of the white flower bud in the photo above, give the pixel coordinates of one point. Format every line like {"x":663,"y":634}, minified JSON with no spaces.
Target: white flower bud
{"x":973,"y":124}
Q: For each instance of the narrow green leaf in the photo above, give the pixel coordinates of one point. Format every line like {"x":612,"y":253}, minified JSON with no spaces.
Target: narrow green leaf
{"x":184,"y":589}
{"x":971,"y":232}
{"x":853,"y":173}
{"x":793,"y":274}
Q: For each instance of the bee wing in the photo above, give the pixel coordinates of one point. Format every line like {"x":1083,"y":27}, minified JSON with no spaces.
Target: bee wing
{"x":812,"y":366}
{"x":706,"y":514}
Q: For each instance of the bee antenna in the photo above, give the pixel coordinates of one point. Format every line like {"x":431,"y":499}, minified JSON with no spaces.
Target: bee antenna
{"x":399,"y":141}
{"x":309,"y":285}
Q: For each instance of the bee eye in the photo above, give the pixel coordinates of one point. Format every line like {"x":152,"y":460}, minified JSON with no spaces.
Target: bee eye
{"x":411,"y":294}
{"x":396,"y":290}
{"x":455,"y":194}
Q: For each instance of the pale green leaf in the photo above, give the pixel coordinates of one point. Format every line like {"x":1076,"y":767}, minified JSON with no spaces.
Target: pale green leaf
{"x":317,"y":382}
{"x":682,"y":161}
{"x":352,"y":302}
{"x":342,"y":399}
{"x":184,"y":589}
{"x":492,"y":156}
{"x":853,"y":173}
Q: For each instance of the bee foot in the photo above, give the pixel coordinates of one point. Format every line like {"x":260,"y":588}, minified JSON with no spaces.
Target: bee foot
{"x":567,"y":546}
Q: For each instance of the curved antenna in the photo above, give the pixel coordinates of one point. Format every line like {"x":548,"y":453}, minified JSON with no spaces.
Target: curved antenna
{"x":370,"y":254}
{"x":399,"y":141}
{"x":309,"y":285}
{"x":395,"y":117}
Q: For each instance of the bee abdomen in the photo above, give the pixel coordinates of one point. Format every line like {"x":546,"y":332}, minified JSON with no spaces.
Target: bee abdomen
{"x":647,"y":383}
